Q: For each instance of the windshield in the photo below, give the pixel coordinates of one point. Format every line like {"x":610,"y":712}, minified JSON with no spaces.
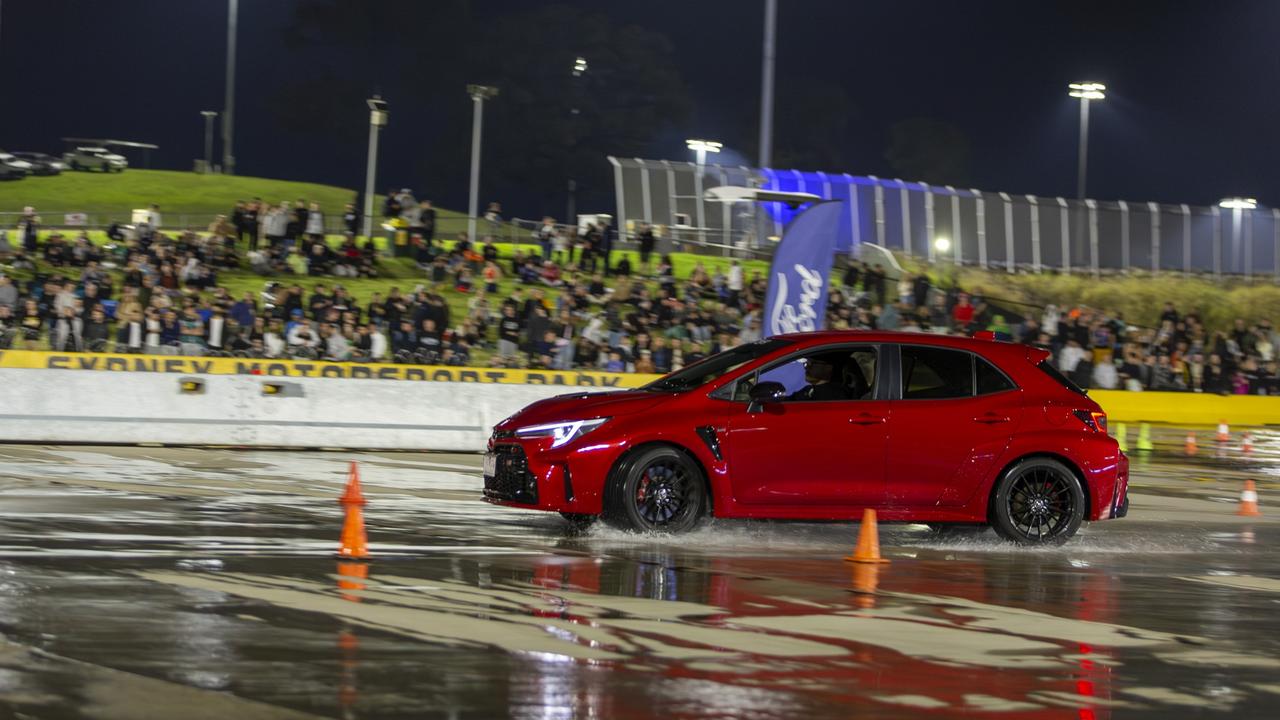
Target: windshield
{"x":716,"y":366}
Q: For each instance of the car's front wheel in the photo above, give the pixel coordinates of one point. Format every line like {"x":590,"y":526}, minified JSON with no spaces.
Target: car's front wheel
{"x":659,"y":490}
{"x":1038,"y":501}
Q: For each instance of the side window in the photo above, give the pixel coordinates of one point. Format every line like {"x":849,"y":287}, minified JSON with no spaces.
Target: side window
{"x":930,"y":373}
{"x":847,"y":373}
{"x":990,"y":380}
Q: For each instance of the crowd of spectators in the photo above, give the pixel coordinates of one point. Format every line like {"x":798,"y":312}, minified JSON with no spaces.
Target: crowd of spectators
{"x":568,"y":305}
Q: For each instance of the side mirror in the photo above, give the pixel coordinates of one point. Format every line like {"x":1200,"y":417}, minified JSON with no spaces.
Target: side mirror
{"x":764,"y":393}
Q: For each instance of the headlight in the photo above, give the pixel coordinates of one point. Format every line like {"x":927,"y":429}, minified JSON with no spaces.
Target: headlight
{"x":563,"y":432}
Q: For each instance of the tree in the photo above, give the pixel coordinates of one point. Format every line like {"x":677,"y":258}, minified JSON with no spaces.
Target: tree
{"x":549,"y":124}
{"x":933,"y":151}
{"x":545,"y":127}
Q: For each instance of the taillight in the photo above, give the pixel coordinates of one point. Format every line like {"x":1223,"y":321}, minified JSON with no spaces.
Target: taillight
{"x":1094,"y":420}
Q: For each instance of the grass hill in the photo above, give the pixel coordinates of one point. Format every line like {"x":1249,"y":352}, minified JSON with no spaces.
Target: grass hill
{"x":175,"y":192}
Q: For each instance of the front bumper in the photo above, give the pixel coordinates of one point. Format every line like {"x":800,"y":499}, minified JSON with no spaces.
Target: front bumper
{"x":528,"y":474}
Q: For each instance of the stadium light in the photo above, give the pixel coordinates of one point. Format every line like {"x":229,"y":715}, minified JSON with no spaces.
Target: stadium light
{"x":478,"y":93}
{"x":1087,"y":90}
{"x":579,"y":66}
{"x":702,"y":147}
{"x":942,"y":245}
{"x":377,"y":120}
{"x":1084,"y":91}
{"x":1238,"y":203}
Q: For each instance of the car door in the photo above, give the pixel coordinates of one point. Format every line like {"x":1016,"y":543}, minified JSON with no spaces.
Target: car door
{"x":807,"y":453}
{"x":954,"y":414}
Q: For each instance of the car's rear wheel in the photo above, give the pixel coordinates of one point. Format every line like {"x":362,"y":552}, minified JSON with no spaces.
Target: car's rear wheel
{"x":659,"y":490}
{"x":1038,"y":501}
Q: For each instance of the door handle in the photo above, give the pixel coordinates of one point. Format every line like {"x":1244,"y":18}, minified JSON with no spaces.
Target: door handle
{"x":866,"y":419}
{"x":991,"y":419}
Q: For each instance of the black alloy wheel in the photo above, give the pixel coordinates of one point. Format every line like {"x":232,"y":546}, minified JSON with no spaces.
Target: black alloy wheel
{"x":1039,"y":501}
{"x":658,"y":490}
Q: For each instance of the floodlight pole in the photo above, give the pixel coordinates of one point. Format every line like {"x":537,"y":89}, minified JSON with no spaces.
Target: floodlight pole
{"x":377,"y":120}
{"x":1082,"y":168}
{"x":766,"y":82}
{"x":479,"y":93}
{"x":209,"y":115}
{"x":229,"y":103}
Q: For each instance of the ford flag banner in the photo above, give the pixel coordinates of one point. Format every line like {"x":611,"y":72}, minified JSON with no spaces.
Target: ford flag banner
{"x":797,"y":297}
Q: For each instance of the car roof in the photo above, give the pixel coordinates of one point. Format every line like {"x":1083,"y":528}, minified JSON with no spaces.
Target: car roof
{"x":982,"y":347}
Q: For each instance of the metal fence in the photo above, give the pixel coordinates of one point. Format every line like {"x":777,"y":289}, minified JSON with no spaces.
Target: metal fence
{"x":986,"y":229}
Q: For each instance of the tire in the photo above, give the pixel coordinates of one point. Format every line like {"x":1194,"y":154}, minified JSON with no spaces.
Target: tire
{"x":658,"y":490}
{"x":579,"y":522}
{"x":1038,"y":501}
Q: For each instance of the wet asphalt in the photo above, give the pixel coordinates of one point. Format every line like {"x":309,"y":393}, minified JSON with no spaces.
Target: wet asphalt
{"x":146,"y":582}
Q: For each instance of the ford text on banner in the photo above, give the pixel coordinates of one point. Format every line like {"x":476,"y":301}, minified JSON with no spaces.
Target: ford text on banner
{"x":797,"y":297}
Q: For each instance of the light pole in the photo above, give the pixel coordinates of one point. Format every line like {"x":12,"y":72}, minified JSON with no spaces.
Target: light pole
{"x":766,"y":81}
{"x":1085,"y":91}
{"x":701,"y":148}
{"x":229,"y":102}
{"x":377,"y":120}
{"x":209,"y":115}
{"x":478,"y":93}
{"x":579,"y":69}
{"x":1237,"y":206}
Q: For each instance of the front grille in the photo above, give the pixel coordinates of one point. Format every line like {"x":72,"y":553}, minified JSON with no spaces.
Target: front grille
{"x":511,"y":480}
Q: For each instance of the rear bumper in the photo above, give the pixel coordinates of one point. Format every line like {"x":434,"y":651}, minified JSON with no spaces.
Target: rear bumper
{"x":1120,"y":497}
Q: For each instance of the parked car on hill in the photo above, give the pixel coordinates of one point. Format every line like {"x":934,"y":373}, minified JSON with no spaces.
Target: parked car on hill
{"x":15,"y":163}
{"x":9,"y":172}
{"x":42,"y":164}
{"x":95,"y":158}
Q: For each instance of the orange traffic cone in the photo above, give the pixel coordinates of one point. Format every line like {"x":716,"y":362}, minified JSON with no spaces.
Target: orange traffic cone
{"x":868,"y":549}
{"x":1190,"y":447}
{"x":1249,"y":500}
{"x":1224,"y":432}
{"x":354,"y":543}
{"x":1246,"y":445}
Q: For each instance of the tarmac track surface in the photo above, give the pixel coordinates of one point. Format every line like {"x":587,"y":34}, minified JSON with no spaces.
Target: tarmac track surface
{"x":172,"y":582}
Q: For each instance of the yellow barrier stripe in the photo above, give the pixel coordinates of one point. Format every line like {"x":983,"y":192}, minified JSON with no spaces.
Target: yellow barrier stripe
{"x":1188,"y":408}
{"x":115,"y":362}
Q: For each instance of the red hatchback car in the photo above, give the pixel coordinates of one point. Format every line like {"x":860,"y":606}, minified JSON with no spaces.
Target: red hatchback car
{"x":819,"y":426}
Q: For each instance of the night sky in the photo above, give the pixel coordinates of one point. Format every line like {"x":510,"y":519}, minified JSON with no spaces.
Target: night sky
{"x":1190,"y":114}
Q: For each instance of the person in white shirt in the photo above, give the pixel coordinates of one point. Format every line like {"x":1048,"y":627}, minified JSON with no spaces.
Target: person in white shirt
{"x":315,"y":223}
{"x":736,"y":282}
{"x":377,"y":344}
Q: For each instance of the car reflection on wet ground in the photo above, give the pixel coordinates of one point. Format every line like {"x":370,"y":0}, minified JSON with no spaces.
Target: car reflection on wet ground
{"x":158,"y":582}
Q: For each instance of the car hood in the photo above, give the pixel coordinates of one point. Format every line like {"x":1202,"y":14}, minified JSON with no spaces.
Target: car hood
{"x":583,"y":406}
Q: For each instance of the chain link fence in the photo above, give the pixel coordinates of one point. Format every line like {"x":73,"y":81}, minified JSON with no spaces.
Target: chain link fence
{"x":986,"y":229}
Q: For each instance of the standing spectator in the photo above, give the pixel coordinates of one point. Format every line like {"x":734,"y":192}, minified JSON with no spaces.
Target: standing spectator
{"x":29,"y":229}
{"x":647,"y":243}
{"x":494,"y":217}
{"x":274,"y":225}
{"x":315,"y":223}
{"x":545,"y":236}
{"x":8,"y":292}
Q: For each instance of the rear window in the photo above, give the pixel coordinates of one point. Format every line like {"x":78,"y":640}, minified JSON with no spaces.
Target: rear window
{"x":989,"y":379}
{"x":1063,"y":380}
{"x":930,"y":373}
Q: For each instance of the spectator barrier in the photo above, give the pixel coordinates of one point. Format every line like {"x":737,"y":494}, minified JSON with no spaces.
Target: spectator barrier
{"x":221,"y":401}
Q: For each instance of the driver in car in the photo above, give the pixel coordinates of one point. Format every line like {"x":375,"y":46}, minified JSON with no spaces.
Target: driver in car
{"x":817,"y":373}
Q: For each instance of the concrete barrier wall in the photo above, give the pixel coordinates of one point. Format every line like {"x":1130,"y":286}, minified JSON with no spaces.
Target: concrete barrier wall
{"x":57,"y":406}
{"x":109,"y":407}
